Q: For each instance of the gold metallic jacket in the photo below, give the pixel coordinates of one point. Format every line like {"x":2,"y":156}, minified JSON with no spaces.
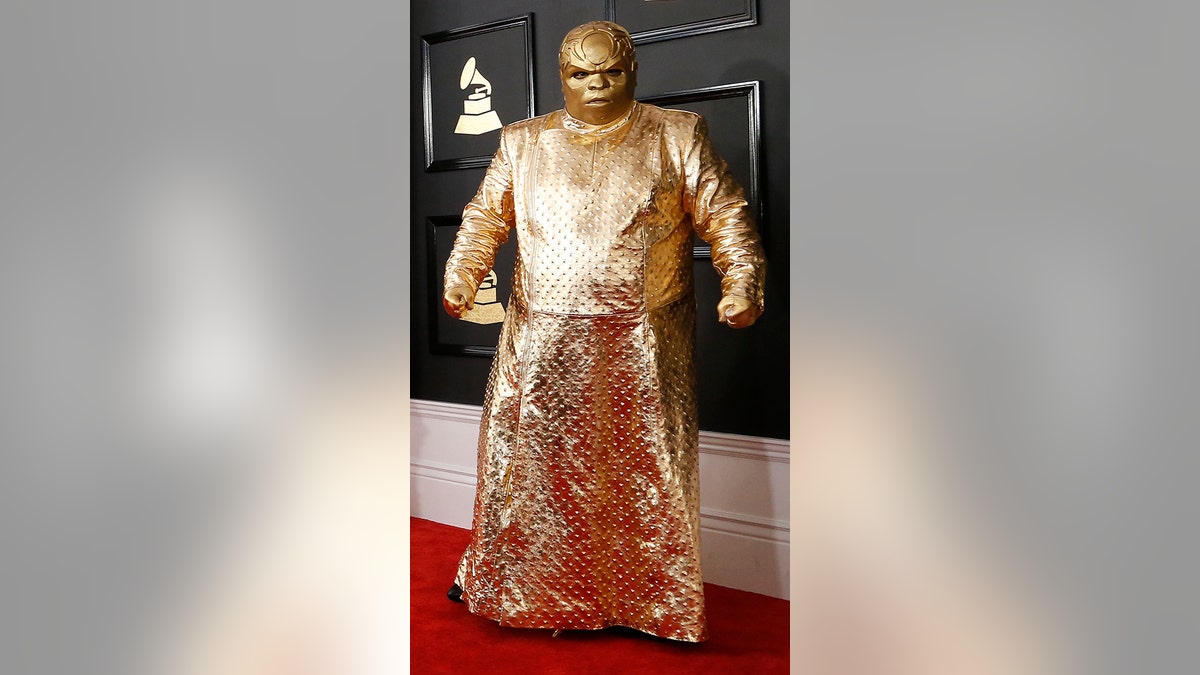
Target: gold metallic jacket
{"x":587,"y":509}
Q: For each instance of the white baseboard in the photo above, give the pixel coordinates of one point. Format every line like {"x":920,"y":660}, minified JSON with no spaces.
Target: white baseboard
{"x":744,"y":493}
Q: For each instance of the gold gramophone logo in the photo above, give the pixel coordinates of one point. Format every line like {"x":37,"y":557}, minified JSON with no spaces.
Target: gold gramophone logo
{"x":487,"y":308}
{"x":478,"y":116}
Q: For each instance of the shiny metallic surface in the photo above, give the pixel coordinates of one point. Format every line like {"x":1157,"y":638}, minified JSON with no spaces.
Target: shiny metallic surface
{"x":587,"y":509}
{"x":598,"y":69}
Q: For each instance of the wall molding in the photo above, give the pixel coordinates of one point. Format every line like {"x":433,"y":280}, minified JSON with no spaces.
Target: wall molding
{"x":745,"y":447}
{"x":711,"y":442}
{"x":745,"y":525}
{"x":448,"y":473}
{"x":728,"y":522}
{"x":451,"y":412}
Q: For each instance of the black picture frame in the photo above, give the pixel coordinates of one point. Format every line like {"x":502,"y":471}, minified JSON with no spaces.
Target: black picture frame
{"x":733,"y":113}
{"x":507,"y":46}
{"x":458,"y":337}
{"x":650,"y":21}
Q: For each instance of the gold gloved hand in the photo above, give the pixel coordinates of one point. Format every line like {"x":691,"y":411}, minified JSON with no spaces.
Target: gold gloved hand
{"x":736,"y":312}
{"x":458,"y":300}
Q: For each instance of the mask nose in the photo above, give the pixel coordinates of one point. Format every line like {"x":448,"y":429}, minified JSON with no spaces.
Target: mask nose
{"x":598,"y":81}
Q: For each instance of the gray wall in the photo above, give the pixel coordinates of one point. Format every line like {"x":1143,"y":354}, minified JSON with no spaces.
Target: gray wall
{"x":1008,"y":190}
{"x":232,"y":171}
{"x":742,"y":375}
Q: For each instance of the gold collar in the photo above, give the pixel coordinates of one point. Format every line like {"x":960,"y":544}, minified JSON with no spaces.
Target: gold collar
{"x":595,"y":130}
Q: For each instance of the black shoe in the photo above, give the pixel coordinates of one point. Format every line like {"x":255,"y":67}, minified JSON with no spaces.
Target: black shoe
{"x":455,"y":593}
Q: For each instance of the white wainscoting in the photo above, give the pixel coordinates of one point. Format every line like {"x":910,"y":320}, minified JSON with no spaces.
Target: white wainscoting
{"x":743,"y":496}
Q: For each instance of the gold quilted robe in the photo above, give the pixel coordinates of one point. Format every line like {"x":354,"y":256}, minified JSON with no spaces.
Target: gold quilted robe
{"x":587,"y":509}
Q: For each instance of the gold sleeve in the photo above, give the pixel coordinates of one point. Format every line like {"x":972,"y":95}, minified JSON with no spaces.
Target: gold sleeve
{"x":486,"y":221}
{"x":722,"y":218}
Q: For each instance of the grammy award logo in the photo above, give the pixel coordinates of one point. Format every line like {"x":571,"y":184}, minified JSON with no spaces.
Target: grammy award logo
{"x":478,"y":116}
{"x":487,"y":308}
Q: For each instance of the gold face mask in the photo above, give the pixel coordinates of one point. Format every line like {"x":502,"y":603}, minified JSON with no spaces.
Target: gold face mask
{"x":598,"y":71}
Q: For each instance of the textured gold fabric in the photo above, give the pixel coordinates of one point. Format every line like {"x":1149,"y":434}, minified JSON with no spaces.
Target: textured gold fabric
{"x":587,"y":509}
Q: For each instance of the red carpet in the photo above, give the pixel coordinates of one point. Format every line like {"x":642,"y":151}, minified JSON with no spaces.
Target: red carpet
{"x":748,"y":633}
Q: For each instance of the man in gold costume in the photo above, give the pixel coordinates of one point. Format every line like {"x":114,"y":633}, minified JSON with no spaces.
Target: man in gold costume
{"x":587,"y":512}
